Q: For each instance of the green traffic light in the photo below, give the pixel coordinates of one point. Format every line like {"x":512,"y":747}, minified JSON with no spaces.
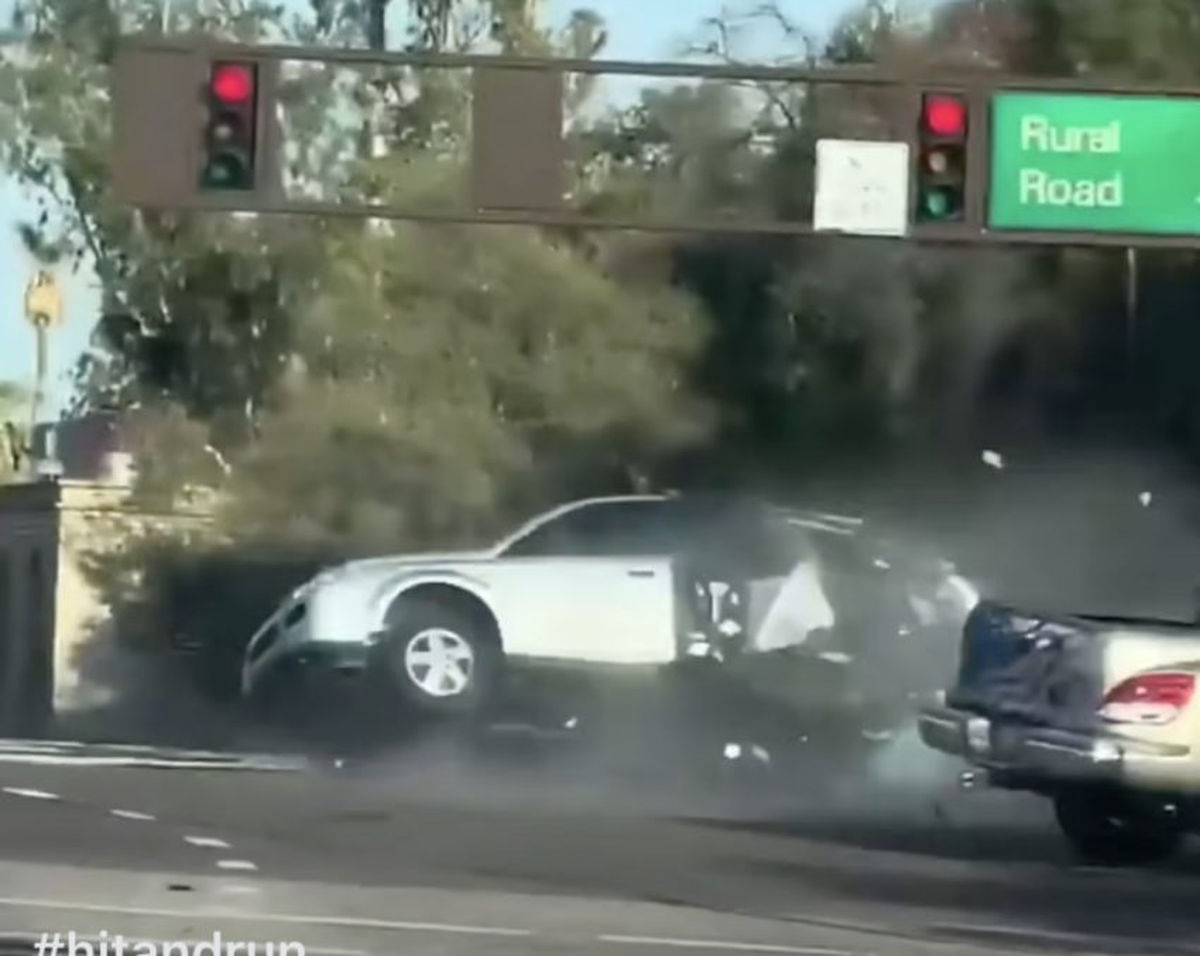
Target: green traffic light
{"x":939,"y":203}
{"x":227,"y":171}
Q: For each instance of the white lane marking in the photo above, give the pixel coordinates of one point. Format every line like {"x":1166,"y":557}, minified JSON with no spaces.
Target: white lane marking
{"x":32,"y":794}
{"x":214,"y":842}
{"x":149,"y":946}
{"x":309,"y":951}
{"x":236,"y":865}
{"x":856,"y":926}
{"x":986,"y":929}
{"x":68,"y":760}
{"x":17,"y":745}
{"x":726,"y":944}
{"x":296,"y":919}
{"x":238,"y":889}
{"x":132,"y":815}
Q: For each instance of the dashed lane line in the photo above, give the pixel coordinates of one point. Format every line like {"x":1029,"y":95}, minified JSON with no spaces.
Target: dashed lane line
{"x":215,"y":843}
{"x":132,"y":815}
{"x":31,"y":794}
{"x":196,"y":841}
{"x":729,"y":945}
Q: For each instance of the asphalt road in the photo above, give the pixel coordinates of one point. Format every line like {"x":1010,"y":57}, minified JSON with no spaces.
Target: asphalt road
{"x":427,"y":852}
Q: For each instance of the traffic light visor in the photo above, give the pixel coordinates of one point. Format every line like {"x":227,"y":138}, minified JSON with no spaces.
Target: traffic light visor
{"x":232,"y":83}
{"x":945,"y":115}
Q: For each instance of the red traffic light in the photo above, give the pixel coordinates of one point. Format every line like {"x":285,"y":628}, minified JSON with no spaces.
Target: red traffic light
{"x":945,"y":115}
{"x":232,"y":82}
{"x":232,"y":126}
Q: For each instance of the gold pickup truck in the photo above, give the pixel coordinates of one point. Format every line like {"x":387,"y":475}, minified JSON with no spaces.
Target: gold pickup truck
{"x":1099,"y":714}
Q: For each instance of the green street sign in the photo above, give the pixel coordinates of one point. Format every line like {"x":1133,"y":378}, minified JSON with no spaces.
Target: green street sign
{"x":1090,"y":163}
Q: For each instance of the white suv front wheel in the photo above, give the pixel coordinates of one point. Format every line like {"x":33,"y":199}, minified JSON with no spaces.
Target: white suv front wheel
{"x":438,"y":659}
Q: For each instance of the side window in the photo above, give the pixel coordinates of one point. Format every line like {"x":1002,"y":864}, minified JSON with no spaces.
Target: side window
{"x":602,"y":530}
{"x":559,"y":536}
{"x":637,"y":529}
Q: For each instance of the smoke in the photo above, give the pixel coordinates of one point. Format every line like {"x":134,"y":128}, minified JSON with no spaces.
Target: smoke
{"x":910,"y":777}
{"x":119,"y":694}
{"x":625,"y":748}
{"x":1105,"y":531}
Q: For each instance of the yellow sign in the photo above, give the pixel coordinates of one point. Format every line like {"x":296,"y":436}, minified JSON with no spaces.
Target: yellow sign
{"x":43,"y":301}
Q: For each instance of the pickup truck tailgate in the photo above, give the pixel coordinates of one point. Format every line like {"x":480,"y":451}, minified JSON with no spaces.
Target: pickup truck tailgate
{"x":1030,"y":669}
{"x":1054,"y":670}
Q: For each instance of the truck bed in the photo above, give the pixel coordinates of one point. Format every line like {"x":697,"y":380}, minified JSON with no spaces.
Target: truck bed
{"x":1054,"y":669}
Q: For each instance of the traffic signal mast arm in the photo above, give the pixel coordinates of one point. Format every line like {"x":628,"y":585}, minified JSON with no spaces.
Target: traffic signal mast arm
{"x":163,"y":161}
{"x":868,"y":75}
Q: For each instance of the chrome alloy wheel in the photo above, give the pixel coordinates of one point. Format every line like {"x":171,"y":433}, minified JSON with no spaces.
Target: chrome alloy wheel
{"x":439,"y":662}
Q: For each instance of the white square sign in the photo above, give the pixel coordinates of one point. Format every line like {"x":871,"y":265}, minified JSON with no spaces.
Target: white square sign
{"x":862,"y":187}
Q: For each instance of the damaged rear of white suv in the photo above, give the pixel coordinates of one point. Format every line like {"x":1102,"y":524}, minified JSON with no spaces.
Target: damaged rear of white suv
{"x":1099,"y":714}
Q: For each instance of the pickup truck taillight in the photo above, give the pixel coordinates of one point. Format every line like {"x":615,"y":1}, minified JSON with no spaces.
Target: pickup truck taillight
{"x":1148,"y":699}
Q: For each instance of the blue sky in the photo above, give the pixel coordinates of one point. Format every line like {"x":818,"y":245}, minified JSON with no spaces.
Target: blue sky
{"x":638,"y":30}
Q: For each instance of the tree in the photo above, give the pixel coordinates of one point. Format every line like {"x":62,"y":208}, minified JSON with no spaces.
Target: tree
{"x":209,"y":322}
{"x":1140,"y":362}
{"x":820,"y":346}
{"x":450,"y":377}
{"x":813,"y":345}
{"x":14,"y":438}
{"x":192,"y":306}
{"x":14,"y":401}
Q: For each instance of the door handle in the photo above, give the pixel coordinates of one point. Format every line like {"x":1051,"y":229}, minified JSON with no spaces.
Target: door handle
{"x":640,"y":573}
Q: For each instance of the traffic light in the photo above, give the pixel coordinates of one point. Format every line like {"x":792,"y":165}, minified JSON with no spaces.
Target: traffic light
{"x":231,"y":132}
{"x":942,"y":160}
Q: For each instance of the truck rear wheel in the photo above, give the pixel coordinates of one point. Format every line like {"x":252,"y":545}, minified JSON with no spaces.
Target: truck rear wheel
{"x":1117,"y":829}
